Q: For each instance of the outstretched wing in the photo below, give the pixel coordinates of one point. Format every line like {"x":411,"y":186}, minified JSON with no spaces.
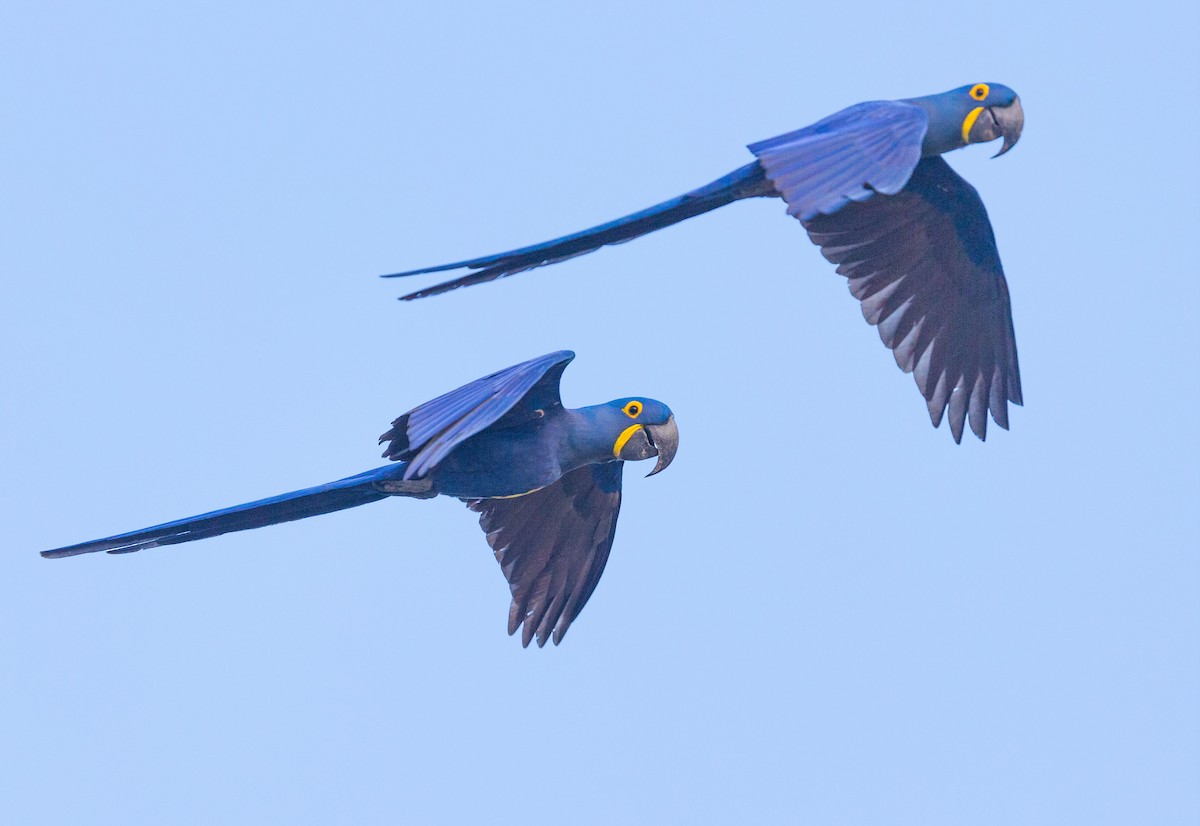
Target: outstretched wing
{"x":924,"y":264}
{"x":552,"y":546}
{"x":426,"y":434}
{"x":848,"y":156}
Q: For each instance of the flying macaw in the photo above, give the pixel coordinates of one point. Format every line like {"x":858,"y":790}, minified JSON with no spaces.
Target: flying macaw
{"x":912,"y":237}
{"x":544,"y":479}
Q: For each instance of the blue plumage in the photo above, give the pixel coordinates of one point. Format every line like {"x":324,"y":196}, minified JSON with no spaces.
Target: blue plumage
{"x":334,"y":496}
{"x":865,"y":177}
{"x":745,"y":182}
{"x":433,"y":429}
{"x":506,"y":445}
{"x":929,"y":277}
{"x":849,"y":156}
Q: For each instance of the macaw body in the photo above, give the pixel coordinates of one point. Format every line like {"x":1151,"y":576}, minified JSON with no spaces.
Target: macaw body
{"x":913,"y":238}
{"x":523,"y":458}
{"x":546,"y":480}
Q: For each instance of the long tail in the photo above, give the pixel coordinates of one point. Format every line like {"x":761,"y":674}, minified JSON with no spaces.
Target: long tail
{"x":747,"y":182}
{"x":334,"y":496}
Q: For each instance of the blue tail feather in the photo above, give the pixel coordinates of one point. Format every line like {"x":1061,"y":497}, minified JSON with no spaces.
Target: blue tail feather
{"x":746,"y":182}
{"x":333,"y":496}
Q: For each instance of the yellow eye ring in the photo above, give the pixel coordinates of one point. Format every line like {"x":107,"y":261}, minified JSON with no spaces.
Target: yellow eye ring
{"x":632,"y":409}
{"x":980,"y":91}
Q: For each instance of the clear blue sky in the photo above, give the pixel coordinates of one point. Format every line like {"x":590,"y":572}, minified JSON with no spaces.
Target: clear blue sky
{"x":824,"y":612}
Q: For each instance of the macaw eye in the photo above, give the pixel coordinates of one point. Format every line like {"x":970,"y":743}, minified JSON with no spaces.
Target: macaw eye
{"x":633,"y":409}
{"x":979,"y":91}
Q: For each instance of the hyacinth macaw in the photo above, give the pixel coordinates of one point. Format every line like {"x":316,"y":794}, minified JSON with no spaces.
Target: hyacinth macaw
{"x":912,"y":237}
{"x":545,"y":480}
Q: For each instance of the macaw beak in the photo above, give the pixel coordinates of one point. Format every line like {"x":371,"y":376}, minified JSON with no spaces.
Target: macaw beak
{"x":665,"y":438}
{"x":999,"y":122}
{"x":661,"y":440}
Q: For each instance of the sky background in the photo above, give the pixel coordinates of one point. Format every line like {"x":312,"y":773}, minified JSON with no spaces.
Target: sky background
{"x":824,"y":612}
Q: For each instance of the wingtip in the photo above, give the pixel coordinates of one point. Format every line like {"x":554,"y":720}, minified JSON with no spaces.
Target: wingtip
{"x":1000,"y":416}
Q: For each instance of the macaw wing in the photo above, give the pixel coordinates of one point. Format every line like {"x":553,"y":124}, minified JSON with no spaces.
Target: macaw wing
{"x":924,"y":264}
{"x":426,"y":434}
{"x":552,"y":546}
{"x":848,"y":156}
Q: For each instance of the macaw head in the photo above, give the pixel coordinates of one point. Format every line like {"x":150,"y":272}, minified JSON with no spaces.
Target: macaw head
{"x":977,"y":113}
{"x":640,"y":428}
{"x":995,"y":111}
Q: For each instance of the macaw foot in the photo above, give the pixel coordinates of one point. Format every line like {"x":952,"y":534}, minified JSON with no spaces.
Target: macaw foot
{"x":416,"y":488}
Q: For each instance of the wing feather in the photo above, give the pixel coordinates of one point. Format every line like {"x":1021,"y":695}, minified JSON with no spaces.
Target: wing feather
{"x":426,"y":434}
{"x":552,"y":546}
{"x":923,"y":263}
{"x":846,"y":157}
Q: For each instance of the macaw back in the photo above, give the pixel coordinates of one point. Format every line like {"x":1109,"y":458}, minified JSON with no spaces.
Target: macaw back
{"x":503,"y":462}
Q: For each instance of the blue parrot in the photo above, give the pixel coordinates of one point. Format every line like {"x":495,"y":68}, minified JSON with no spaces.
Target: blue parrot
{"x":544,"y":479}
{"x":869,"y":185}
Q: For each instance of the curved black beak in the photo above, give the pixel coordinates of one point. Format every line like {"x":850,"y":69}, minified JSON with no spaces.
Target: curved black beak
{"x":646,"y":440}
{"x":665,"y":439}
{"x":1009,"y":120}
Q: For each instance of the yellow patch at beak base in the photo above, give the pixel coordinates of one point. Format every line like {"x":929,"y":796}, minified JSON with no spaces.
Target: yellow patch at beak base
{"x":625,"y":436}
{"x":969,"y":121}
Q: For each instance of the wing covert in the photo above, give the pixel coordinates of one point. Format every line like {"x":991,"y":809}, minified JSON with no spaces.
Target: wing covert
{"x":426,"y":434}
{"x":552,"y":546}
{"x":846,"y":157}
{"x":924,"y":264}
